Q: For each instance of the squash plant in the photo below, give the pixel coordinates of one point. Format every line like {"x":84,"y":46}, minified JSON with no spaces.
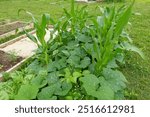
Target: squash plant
{"x":80,"y":61}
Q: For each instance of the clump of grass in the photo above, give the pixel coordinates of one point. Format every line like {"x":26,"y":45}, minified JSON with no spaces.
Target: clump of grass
{"x":12,"y":56}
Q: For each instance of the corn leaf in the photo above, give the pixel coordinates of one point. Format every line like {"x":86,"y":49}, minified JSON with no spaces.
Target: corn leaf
{"x":123,"y":20}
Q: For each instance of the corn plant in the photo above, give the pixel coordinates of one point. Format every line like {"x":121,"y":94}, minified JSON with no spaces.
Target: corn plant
{"x":106,"y":33}
{"x":74,"y":20}
{"x":40,"y":29}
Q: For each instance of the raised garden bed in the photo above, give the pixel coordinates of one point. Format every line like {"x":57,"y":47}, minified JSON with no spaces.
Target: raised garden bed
{"x":8,"y":60}
{"x":13,"y":28}
{"x":2,"y":22}
{"x":18,"y":64}
{"x":15,"y":39}
{"x":20,"y":35}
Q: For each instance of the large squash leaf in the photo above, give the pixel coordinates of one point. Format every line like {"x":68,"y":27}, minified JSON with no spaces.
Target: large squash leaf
{"x":27,"y":92}
{"x":47,"y":92}
{"x":115,"y":78}
{"x":64,"y":89}
{"x":4,"y":95}
{"x":97,"y":87}
{"x":40,"y":80}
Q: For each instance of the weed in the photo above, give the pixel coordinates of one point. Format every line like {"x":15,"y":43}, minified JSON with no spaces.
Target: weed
{"x":12,"y":56}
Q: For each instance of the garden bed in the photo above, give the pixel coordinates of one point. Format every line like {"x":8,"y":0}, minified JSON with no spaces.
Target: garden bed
{"x":7,"y":63}
{"x":14,"y":38}
{"x":10,"y":26}
{"x":13,"y":28}
{"x":8,"y":60}
{"x":2,"y":22}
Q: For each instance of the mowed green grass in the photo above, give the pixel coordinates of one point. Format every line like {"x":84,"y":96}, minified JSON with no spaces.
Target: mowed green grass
{"x":136,"y":70}
{"x":9,"y":8}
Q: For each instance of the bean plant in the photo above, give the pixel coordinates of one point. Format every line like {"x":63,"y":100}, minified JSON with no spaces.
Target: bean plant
{"x":82,"y":58}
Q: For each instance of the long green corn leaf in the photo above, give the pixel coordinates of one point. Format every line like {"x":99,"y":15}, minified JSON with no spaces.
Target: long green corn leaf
{"x":123,"y":20}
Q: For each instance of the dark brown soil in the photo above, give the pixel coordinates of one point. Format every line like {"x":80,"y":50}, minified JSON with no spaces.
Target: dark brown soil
{"x":10,"y":27}
{"x":6,"y":62}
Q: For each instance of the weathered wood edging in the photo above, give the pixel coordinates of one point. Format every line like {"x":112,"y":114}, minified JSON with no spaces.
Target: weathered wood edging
{"x":13,"y":32}
{"x":15,"y":40}
{"x":15,"y":67}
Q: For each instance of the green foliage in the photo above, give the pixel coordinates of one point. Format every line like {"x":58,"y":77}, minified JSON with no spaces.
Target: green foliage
{"x":106,"y":34}
{"x":47,"y":93}
{"x":115,"y":78}
{"x":27,"y":92}
{"x":4,"y":95}
{"x":12,"y":56}
{"x":97,"y":87}
{"x":40,"y":40}
{"x":81,"y":58}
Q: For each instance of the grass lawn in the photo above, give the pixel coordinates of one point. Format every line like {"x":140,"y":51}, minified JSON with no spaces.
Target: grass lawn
{"x":37,"y":7}
{"x":136,"y":70}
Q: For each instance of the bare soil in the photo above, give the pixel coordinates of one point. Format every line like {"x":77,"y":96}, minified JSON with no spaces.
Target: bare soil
{"x":6,"y":62}
{"x":10,"y":27}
